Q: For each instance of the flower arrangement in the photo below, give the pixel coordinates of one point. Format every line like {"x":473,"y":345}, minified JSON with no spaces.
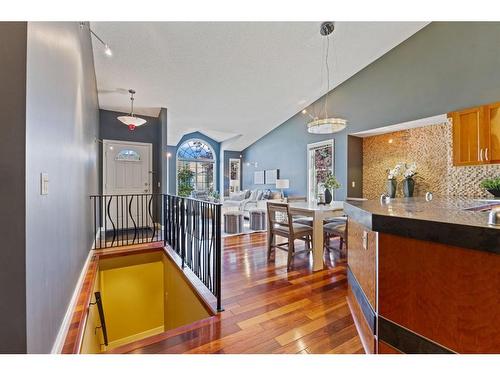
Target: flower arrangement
{"x":331,"y":182}
{"x":213,"y":195}
{"x":393,"y":173}
{"x":410,"y":170}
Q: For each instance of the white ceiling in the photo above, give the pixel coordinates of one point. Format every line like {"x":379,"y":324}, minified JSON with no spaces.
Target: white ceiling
{"x":233,"y":81}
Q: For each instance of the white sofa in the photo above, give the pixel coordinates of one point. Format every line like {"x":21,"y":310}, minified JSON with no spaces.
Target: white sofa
{"x":246,"y":199}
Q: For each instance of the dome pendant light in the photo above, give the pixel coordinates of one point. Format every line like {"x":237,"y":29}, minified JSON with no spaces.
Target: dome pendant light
{"x":325,"y":124}
{"x":131,"y":121}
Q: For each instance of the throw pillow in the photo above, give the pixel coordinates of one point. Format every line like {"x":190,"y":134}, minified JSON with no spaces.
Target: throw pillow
{"x":260,"y":193}
{"x":253,"y":195}
{"x":266,"y":194}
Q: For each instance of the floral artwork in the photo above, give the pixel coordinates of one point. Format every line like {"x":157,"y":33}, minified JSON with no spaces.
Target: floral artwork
{"x":323,"y":162}
{"x":234,"y":171}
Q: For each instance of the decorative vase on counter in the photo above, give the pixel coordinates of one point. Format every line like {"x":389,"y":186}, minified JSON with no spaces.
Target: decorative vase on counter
{"x":408,"y":187}
{"x":328,"y":196}
{"x":391,"y":187}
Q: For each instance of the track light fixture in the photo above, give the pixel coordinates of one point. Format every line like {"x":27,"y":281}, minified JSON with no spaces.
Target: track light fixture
{"x":107,"y":49}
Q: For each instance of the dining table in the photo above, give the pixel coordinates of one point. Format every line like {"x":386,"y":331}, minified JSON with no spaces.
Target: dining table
{"x":318,"y":212}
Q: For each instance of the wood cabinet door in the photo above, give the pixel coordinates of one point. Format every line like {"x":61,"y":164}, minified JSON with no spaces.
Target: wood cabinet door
{"x":470,"y":136}
{"x":492,"y":119}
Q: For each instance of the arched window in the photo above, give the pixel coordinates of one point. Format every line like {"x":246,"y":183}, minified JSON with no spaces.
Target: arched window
{"x":128,"y":155}
{"x":198,"y":157}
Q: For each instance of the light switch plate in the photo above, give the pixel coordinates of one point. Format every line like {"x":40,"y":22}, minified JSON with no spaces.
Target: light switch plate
{"x":44,"y":184}
{"x":354,"y":184}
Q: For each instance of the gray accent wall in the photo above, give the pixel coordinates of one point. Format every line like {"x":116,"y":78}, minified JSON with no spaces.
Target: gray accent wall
{"x":163,"y":159}
{"x":62,"y":120}
{"x":12,"y":189}
{"x":443,"y":67}
{"x":111,"y":128}
{"x":354,"y":167}
{"x":171,"y":166}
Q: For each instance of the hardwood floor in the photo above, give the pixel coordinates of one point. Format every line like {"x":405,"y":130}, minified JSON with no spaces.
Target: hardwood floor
{"x":267,"y":309}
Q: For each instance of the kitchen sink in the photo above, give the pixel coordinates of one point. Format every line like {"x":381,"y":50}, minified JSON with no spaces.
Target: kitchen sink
{"x":486,"y":206}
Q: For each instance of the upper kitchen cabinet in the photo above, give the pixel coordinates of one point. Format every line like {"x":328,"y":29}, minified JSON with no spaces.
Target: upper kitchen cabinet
{"x":476,"y":135}
{"x":493,"y":123}
{"x":468,"y":136}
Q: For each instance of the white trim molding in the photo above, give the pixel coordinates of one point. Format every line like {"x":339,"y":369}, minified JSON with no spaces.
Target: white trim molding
{"x":66,"y":322}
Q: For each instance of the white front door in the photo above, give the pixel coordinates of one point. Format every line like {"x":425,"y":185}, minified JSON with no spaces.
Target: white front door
{"x":127,"y":178}
{"x":127,"y":168}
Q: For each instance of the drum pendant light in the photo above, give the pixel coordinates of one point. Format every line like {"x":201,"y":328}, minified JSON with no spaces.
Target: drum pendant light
{"x":323,"y":124}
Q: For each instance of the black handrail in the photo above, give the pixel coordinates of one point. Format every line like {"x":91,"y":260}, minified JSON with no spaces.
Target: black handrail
{"x":98,"y":302}
{"x":126,"y":219}
{"x":193,"y":231}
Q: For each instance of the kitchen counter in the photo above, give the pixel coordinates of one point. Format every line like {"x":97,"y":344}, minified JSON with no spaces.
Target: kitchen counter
{"x":424,"y":276}
{"x":451,"y":221}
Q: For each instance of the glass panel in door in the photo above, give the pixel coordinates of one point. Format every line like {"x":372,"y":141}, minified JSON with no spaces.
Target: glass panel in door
{"x":320,"y":163}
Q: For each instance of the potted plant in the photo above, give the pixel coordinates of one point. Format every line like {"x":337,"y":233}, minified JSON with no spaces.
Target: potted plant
{"x":409,"y":182}
{"x":492,"y":185}
{"x":330,"y":184}
{"x":391,"y":180}
{"x":185,"y":181}
{"x":213,"y":195}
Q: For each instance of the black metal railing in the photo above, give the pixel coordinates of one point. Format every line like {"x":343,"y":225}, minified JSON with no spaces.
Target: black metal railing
{"x":98,"y":302}
{"x":193,"y":231}
{"x":127,"y":219}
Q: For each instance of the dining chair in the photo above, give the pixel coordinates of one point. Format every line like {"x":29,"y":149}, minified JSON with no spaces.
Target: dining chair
{"x":280,"y":223}
{"x":336,"y":228}
{"x":301,"y":219}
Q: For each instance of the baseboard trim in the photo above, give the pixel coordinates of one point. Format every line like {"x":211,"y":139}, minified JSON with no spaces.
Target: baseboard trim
{"x":66,"y":322}
{"x":135,"y":337}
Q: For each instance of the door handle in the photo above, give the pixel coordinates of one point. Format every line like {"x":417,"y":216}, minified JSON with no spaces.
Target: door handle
{"x":486,"y":154}
{"x":481,"y":155}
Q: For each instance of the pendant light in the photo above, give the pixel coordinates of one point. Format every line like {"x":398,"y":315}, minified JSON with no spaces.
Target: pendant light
{"x":132,"y":121}
{"x":323,"y":124}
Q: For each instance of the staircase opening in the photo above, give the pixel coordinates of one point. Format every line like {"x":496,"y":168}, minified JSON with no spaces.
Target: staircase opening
{"x":142,"y":295}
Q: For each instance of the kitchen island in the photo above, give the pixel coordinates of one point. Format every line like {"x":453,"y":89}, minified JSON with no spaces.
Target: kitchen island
{"x":424,"y":276}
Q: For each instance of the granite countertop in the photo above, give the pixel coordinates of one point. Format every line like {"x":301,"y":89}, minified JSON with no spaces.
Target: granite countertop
{"x":444,"y":220}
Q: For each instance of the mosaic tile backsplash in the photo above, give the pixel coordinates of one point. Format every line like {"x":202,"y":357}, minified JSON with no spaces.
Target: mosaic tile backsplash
{"x":431,"y":148}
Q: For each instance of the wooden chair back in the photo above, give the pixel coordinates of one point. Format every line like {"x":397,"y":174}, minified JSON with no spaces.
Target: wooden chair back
{"x":278,"y":216}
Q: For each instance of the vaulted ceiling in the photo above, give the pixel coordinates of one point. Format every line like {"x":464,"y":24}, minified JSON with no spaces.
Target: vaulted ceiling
{"x":233,"y":81}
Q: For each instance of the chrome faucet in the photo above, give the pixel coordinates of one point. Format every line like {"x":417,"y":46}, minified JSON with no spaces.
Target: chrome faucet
{"x":494,"y":217}
{"x":384,"y":198}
